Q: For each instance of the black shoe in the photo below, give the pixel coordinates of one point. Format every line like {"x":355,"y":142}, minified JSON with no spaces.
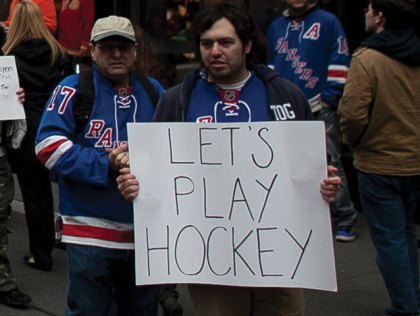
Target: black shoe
{"x":171,"y":307}
{"x":30,"y":262}
{"x":14,"y":298}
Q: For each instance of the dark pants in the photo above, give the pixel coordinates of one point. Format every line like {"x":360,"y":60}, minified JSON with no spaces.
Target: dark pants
{"x":343,"y":210}
{"x":389,"y":203}
{"x":7,"y":281}
{"x":102,"y":282}
{"x":35,"y":185}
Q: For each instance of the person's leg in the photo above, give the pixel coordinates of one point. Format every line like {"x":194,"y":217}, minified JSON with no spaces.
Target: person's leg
{"x":89,"y":290}
{"x":392,"y":232}
{"x":7,"y":192}
{"x":37,"y":197}
{"x":219,"y":300}
{"x":411,"y":197}
{"x":278,"y":302}
{"x":9,"y":292}
{"x":132,"y":299}
{"x":343,"y":210}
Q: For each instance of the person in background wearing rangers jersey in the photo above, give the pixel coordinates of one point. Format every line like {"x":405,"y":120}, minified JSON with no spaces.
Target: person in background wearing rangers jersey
{"x":230,"y":88}
{"x":97,"y":221}
{"x":308,"y":46}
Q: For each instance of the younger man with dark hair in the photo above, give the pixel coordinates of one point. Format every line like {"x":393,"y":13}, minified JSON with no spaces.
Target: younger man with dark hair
{"x":229,"y":88}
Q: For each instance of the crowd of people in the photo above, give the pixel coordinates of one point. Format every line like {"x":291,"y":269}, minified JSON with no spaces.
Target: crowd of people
{"x":76,"y":135}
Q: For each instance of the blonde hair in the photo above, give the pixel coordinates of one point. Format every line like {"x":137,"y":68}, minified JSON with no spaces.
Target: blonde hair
{"x":27,"y":23}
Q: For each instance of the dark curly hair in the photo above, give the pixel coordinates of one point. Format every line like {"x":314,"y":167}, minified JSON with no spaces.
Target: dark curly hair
{"x":238,"y":15}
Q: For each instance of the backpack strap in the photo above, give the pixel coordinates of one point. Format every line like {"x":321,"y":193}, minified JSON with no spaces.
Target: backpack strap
{"x":147,"y":85}
{"x":82,"y":106}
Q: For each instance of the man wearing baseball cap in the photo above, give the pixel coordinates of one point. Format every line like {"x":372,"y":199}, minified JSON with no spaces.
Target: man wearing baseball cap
{"x":97,"y":221}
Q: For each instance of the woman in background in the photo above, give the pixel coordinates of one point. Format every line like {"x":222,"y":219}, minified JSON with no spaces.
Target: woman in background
{"x":40,"y":61}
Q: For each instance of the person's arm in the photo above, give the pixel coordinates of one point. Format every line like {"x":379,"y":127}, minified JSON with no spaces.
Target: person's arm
{"x":355,"y":104}
{"x":55,"y":142}
{"x":337,"y":65}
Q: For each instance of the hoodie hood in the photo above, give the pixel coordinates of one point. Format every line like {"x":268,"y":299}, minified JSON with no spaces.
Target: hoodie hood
{"x":402,"y":45}
{"x":37,"y":76}
{"x":34,"y":50}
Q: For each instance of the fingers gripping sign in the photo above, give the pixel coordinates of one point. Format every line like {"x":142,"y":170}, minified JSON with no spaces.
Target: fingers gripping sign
{"x":128,"y":184}
{"x":118,"y":157}
{"x":330,"y":185}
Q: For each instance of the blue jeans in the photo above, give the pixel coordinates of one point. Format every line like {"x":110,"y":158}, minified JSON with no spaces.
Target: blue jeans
{"x":389,"y":203}
{"x":102,"y":282}
{"x":343,"y":211}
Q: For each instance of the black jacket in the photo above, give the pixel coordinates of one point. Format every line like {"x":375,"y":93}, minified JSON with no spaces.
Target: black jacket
{"x":37,"y":76}
{"x":173,"y":105}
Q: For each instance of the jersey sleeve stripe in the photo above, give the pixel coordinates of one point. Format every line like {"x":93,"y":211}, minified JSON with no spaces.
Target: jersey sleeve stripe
{"x":337,"y":74}
{"x":51,"y":149}
{"x":102,"y":233}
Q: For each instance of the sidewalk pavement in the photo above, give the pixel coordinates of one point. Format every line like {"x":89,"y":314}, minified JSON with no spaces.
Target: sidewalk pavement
{"x":361,"y":291}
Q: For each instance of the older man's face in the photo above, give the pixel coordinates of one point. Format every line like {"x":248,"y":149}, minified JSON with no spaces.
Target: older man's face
{"x":114,"y":58}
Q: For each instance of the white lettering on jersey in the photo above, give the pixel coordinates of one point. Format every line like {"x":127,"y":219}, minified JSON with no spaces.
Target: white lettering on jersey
{"x":314,"y":32}
{"x":300,"y":67}
{"x":343,"y":47}
{"x":283,"y":112}
{"x":106,"y":139}
{"x":95,"y":128}
{"x":67,"y":92}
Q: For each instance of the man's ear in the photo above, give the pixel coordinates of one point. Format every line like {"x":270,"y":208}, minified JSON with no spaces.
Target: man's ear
{"x":380,"y":19}
{"x":248,"y":47}
{"x":92,"y":51}
{"x":135,"y":51}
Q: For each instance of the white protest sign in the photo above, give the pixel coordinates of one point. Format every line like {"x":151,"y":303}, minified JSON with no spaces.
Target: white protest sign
{"x":232,"y":204}
{"x":10,"y":107}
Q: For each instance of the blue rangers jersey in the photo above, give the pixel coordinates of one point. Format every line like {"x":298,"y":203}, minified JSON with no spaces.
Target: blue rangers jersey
{"x":312,"y":52}
{"x":94,"y":212}
{"x":214,"y":104}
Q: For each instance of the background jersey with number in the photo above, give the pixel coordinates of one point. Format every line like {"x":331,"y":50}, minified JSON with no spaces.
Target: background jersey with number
{"x":312,"y":52}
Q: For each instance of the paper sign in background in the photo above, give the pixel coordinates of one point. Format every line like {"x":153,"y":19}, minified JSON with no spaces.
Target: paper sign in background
{"x":10,"y":107}
{"x":234,"y":204}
